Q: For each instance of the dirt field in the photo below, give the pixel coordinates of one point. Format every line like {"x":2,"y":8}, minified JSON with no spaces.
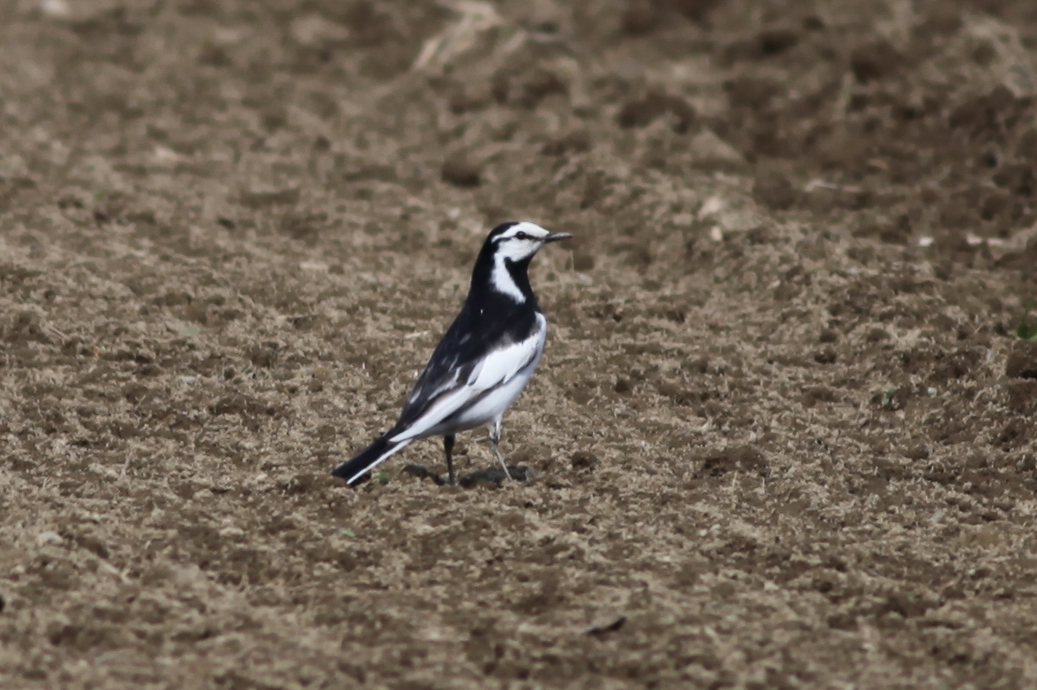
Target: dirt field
{"x":784,"y":433}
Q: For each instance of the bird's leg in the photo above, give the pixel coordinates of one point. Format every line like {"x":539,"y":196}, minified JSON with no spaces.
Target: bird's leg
{"x":448,"y":446}
{"x":495,"y":432}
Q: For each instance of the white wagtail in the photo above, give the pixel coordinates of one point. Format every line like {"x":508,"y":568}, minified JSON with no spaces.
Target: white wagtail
{"x":483,"y":362}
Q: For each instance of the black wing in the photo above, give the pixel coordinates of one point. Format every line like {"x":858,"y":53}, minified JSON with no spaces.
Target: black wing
{"x":477,"y":331}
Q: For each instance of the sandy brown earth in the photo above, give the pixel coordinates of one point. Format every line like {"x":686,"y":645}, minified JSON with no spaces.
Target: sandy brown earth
{"x":784,"y":433}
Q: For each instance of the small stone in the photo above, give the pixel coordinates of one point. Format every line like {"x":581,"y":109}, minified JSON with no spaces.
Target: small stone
{"x":45,"y":538}
{"x":709,"y":150}
{"x":313,"y":29}
{"x":55,"y":8}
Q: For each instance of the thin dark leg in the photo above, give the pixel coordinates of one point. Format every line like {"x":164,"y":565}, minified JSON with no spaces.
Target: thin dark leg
{"x":448,"y":446}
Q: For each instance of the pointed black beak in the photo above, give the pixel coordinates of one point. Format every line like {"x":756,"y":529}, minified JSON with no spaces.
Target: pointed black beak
{"x":557,"y":236}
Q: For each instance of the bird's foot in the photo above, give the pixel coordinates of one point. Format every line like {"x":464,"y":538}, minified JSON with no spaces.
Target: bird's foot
{"x":503,"y":463}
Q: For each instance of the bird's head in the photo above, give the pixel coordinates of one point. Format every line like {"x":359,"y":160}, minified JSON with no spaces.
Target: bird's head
{"x":520,"y":241}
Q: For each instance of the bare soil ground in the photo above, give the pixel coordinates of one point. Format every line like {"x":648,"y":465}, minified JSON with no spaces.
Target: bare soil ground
{"x":784,"y":435}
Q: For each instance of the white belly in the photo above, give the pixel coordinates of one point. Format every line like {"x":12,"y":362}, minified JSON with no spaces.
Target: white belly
{"x":494,"y":404}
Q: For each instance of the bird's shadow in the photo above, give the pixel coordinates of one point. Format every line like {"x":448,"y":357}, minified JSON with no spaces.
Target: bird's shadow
{"x":489,"y":475}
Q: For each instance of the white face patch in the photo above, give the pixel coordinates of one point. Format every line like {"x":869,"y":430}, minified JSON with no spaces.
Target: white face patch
{"x":518,"y":243}
{"x":502,"y":280}
{"x":521,"y":241}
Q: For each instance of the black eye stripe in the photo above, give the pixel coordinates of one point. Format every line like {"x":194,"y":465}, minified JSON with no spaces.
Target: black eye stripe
{"x":520,"y":235}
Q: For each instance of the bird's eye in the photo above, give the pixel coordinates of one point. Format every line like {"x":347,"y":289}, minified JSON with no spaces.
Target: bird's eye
{"x":521,"y":236}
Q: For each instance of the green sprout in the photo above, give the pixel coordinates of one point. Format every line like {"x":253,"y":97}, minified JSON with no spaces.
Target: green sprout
{"x":889,"y":398}
{"x":1027,"y":330}
{"x":382,"y":478}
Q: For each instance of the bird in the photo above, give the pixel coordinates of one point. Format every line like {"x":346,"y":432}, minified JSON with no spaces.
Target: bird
{"x":484,"y":360}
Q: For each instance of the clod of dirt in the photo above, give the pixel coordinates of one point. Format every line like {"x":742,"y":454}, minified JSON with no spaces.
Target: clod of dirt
{"x":874,"y":61}
{"x":996,"y":204}
{"x":25,"y":326}
{"x":1022,"y":397}
{"x":3,"y":604}
{"x":573,"y":142}
{"x":994,"y":111}
{"x":307,"y":482}
{"x":460,"y":172}
{"x":920,"y":452}
{"x":304,"y":227}
{"x":942,"y":20}
{"x":264,"y":357}
{"x":583,"y":262}
{"x":584,"y":460}
{"x":422,"y":472}
{"x":842,"y":621}
{"x":843,"y":148}
{"x":1014,"y":434}
{"x":813,"y":22}
{"x":877,"y":335}
{"x":466,"y":100}
{"x":826,"y":355}
{"x":698,"y":365}
{"x":1017,"y":178}
{"x":1022,"y":361}
{"x":909,"y":604}
{"x":281,"y":197}
{"x":772,"y":188}
{"x":817,"y":394}
{"x":695,"y":10}
{"x":898,"y":232}
{"x":495,"y":475}
{"x":541,"y":84}
{"x":595,"y":189}
{"x":640,"y":17}
{"x":776,"y":40}
{"x":738,"y":458}
{"x":753,"y":93}
{"x":1025,"y":260}
{"x":654,"y":105}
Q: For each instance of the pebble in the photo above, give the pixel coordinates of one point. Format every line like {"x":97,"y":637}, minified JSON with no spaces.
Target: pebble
{"x":45,"y":538}
{"x":55,"y":8}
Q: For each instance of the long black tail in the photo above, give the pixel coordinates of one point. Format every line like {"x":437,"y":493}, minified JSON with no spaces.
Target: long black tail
{"x":367,"y":459}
